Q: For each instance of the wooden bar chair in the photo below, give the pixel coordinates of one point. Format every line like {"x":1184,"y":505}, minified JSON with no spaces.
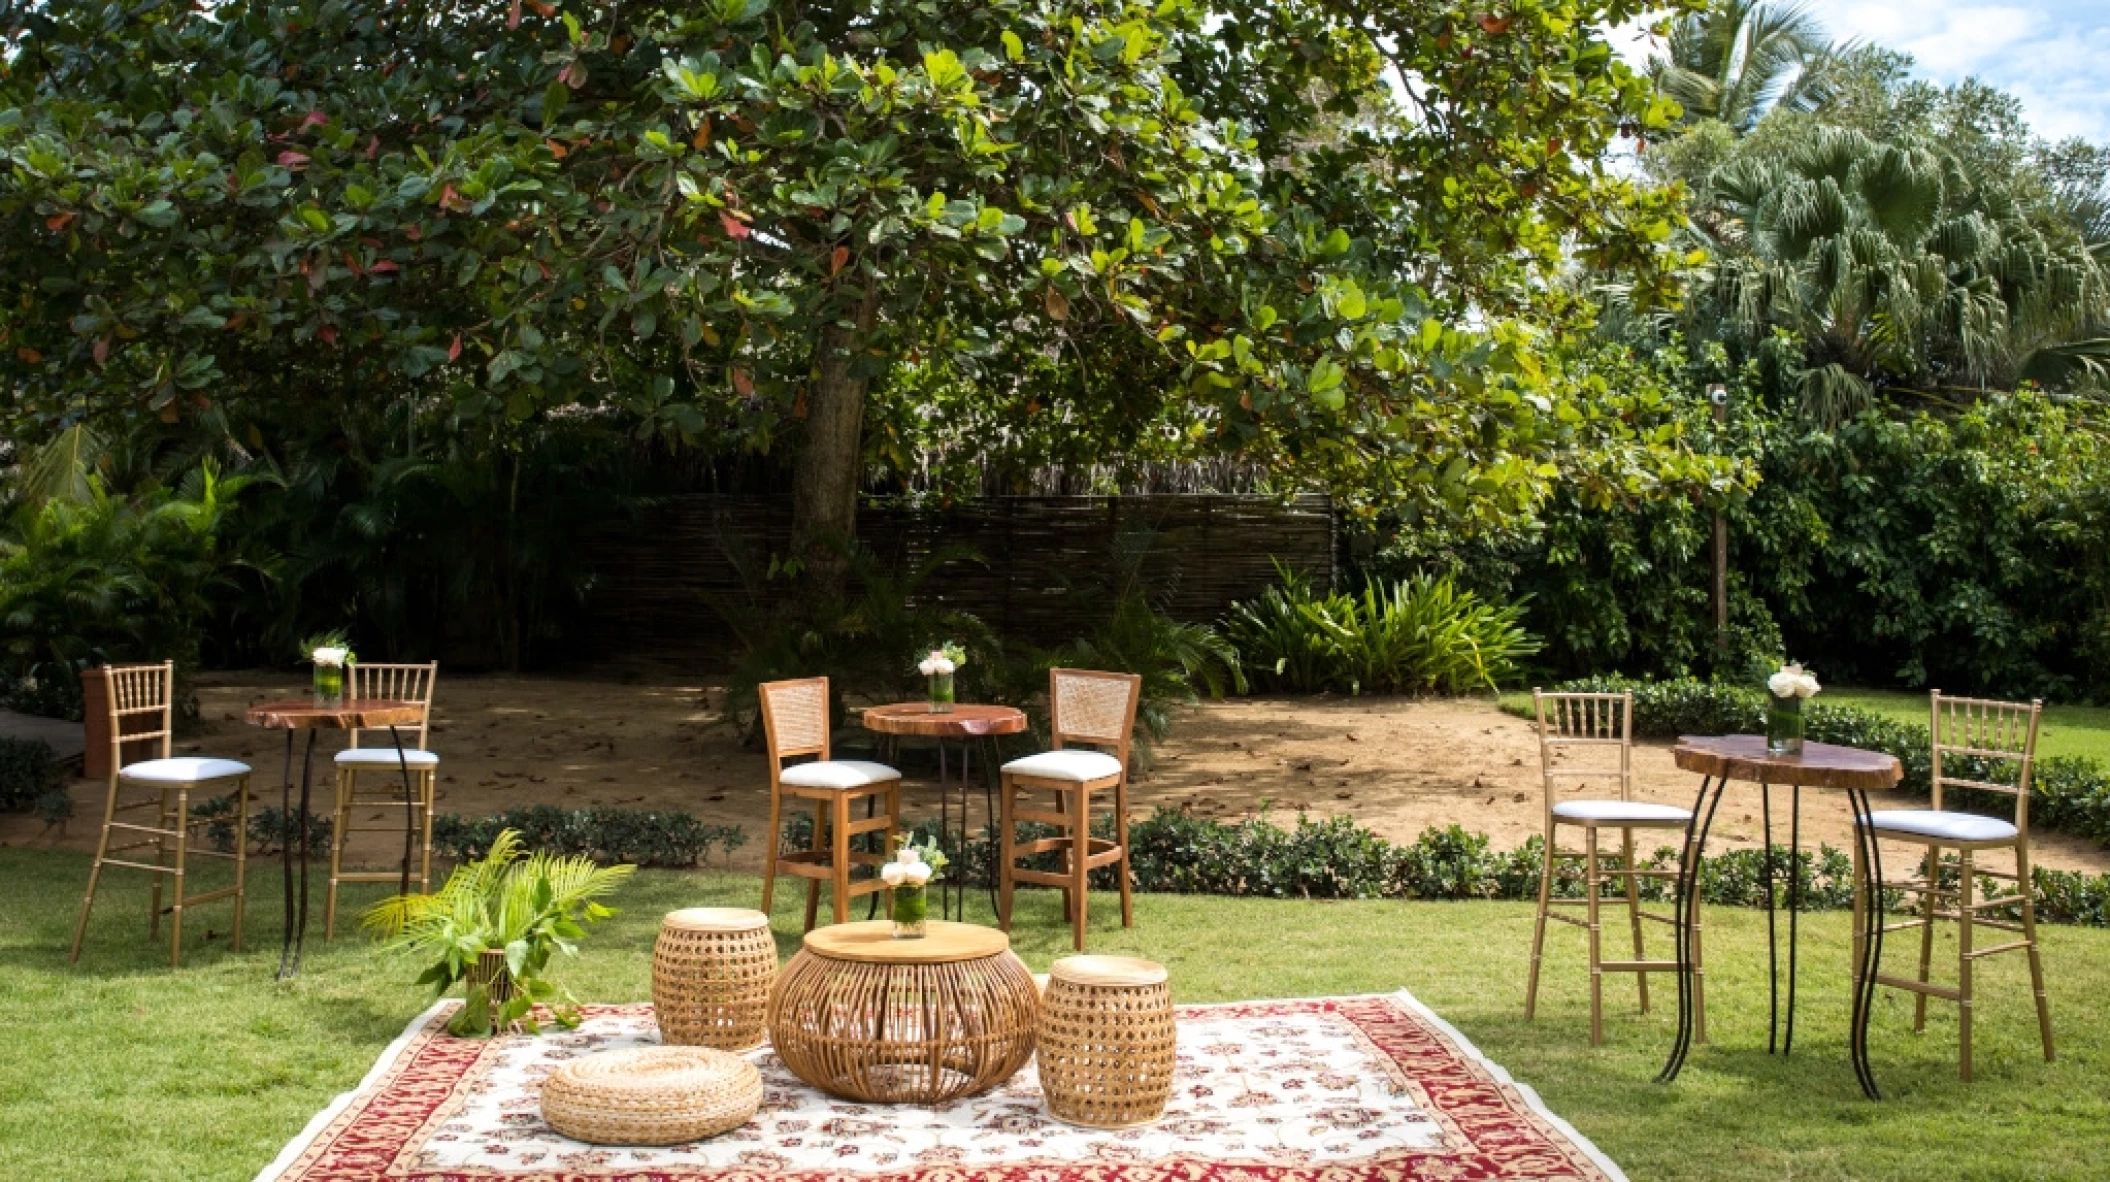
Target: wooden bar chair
{"x":377,"y":770}
{"x":1582,"y":721}
{"x":1992,"y":738}
{"x":177,"y":784}
{"x":795,"y":723}
{"x":1083,"y":707}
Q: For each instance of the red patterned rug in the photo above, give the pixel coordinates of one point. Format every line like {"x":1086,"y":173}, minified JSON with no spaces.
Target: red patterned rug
{"x":1355,"y":1089}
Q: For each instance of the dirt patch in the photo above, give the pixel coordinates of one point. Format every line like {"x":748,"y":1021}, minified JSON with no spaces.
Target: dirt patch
{"x":1396,"y":766}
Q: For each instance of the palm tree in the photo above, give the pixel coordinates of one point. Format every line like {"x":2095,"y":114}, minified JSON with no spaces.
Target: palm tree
{"x":1739,"y":60}
{"x":1898,"y":269}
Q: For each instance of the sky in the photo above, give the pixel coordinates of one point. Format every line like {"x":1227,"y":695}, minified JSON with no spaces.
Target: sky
{"x":2048,"y":53}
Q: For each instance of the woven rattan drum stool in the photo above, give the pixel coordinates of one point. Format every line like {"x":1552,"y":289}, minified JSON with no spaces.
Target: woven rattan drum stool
{"x":711,"y":973}
{"x":651,"y":1096}
{"x":1106,"y":1041}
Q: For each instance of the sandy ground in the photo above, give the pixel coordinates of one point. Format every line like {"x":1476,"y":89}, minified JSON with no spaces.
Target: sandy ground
{"x":1394,"y":765}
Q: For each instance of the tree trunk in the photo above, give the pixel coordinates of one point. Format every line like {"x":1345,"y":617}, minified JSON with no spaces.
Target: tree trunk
{"x":824,"y":485}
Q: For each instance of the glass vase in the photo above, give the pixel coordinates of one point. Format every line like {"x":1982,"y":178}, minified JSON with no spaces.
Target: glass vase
{"x":1784,"y":726}
{"x":329,"y":685}
{"x":941,"y":693}
{"x":911,"y":905}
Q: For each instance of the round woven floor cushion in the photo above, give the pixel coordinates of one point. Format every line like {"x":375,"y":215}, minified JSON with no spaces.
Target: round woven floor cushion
{"x":651,"y":1095}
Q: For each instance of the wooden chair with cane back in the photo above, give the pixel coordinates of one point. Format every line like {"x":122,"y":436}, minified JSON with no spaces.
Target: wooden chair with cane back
{"x":794,"y":724}
{"x":1973,"y":741}
{"x":177,"y":786}
{"x":377,"y":772}
{"x":1098,"y":709}
{"x":1580,"y":722}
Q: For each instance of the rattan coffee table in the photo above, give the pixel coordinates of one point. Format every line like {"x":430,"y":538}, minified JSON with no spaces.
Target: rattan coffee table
{"x":861,"y":1015}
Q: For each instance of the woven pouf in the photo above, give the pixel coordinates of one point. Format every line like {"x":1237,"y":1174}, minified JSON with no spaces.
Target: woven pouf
{"x":651,"y":1096}
{"x":711,"y":973}
{"x":1106,"y":1041}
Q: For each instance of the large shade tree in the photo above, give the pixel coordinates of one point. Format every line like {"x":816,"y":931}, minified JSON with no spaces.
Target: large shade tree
{"x":1317,"y":234}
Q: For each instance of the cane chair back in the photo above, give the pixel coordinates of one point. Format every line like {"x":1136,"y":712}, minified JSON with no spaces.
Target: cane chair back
{"x":1985,"y":730}
{"x":1086,"y":706}
{"x":1580,"y":721}
{"x":395,"y":683}
{"x":146,"y":693}
{"x":795,"y":718}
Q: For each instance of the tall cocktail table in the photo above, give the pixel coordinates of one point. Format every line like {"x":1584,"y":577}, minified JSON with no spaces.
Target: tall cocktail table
{"x":862,"y":1015}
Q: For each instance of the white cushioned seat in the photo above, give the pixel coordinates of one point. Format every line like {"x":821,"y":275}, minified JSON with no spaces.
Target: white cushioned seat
{"x":1946,"y":825}
{"x":1629,"y":812}
{"x":837,"y":773}
{"x":1070,"y":763}
{"x":183,"y":769}
{"x":386,"y":757}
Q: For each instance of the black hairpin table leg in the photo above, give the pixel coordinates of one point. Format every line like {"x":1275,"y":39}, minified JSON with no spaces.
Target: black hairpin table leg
{"x":285,"y":809}
{"x":1871,"y":943}
{"x":410,"y":810}
{"x":1685,"y":913}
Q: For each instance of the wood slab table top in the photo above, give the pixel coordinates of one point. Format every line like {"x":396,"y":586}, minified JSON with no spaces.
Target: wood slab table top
{"x":302,"y":714}
{"x":873,"y":942}
{"x":1820,"y":765}
{"x":962,"y":721}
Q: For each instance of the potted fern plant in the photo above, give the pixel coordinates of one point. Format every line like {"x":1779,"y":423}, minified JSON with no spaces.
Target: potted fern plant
{"x":495,"y":926}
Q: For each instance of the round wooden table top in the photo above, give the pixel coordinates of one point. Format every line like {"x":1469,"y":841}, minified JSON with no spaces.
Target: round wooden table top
{"x":966,"y":720}
{"x":873,"y":942}
{"x":1820,"y":765}
{"x":1116,"y":972}
{"x":303,"y":714}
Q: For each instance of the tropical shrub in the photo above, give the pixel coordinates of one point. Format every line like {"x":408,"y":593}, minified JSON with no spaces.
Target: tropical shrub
{"x":1179,"y":662}
{"x":1421,"y":634}
{"x":28,"y":770}
{"x":108,"y":578}
{"x":527,"y":906}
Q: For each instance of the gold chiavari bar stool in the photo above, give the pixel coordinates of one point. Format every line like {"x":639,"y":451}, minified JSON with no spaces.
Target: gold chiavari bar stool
{"x":1083,"y":707}
{"x":1572,"y":721}
{"x":148,"y":692}
{"x":1994,"y":738}
{"x":358,"y":767}
{"x":794,"y":724}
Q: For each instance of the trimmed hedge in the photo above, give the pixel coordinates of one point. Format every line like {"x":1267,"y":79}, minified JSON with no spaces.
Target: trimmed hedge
{"x":635,"y":836}
{"x":1173,"y":852}
{"x":2069,"y":792}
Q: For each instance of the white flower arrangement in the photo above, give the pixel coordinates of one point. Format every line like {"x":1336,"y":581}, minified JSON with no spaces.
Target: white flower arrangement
{"x":331,"y":656}
{"x":909,"y":867}
{"x":946,"y":658}
{"x":1792,"y":681}
{"x":328,"y":650}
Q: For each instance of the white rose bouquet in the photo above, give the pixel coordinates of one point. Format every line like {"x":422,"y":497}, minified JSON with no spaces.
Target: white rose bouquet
{"x":914,"y":867}
{"x":939,"y":666}
{"x":1790,"y":686}
{"x":330,"y":653}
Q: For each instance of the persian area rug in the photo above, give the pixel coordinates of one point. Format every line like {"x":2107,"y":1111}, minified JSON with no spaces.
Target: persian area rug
{"x":1354,"y":1089}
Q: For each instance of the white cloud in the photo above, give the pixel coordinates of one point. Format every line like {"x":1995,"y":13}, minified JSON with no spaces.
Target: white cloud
{"x":2048,"y":53}
{"x":2044,"y":52}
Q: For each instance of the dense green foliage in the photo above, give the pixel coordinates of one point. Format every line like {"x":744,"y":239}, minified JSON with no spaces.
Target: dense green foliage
{"x":1416,"y":635}
{"x":108,"y":577}
{"x":1970,"y":552}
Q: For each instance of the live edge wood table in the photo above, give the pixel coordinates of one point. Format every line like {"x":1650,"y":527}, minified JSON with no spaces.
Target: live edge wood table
{"x":862,"y":1015}
{"x":1722,"y":758}
{"x":970,"y":726}
{"x":307,"y":715}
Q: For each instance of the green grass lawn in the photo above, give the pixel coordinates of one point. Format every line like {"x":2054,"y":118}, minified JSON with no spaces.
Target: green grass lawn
{"x":119,"y":1069}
